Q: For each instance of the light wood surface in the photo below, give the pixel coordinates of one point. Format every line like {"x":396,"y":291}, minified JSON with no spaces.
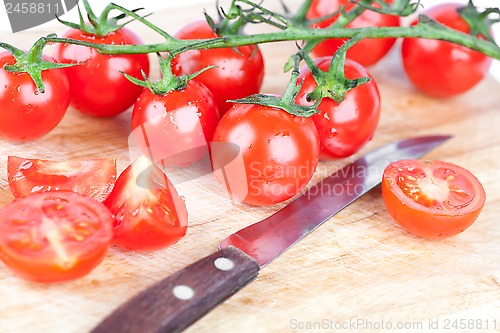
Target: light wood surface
{"x":357,"y":269}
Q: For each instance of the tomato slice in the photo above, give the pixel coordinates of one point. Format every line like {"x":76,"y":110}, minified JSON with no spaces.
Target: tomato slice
{"x":54,"y":236}
{"x":94,"y":178}
{"x":432,"y":199}
{"x":149,"y":215}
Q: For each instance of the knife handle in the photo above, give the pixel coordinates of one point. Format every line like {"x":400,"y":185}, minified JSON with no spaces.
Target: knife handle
{"x":174,"y":303}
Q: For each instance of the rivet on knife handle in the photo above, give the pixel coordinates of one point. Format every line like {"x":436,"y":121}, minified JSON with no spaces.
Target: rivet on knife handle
{"x":179,"y":300}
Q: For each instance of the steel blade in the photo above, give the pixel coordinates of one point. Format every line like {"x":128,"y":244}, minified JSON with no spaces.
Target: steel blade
{"x":267,"y":239}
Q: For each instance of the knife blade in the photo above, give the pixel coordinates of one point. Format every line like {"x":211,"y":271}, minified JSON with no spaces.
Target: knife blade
{"x":174,"y":303}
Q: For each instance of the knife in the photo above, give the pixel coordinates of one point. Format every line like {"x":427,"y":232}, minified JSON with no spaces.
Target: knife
{"x":174,"y":303}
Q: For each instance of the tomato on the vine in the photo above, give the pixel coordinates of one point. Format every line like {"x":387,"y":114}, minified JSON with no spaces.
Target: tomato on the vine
{"x":439,"y":68}
{"x":368,"y":51}
{"x":54,"y":236}
{"x":343,"y":127}
{"x":275,"y":153}
{"x":26,"y":113}
{"x":94,"y":178}
{"x":238,"y":73}
{"x":98,"y":86}
{"x":149,"y":214}
{"x":176,"y":127}
{"x":432,"y":199}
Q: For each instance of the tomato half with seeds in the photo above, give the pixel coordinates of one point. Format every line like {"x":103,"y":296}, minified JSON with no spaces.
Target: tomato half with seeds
{"x":263,"y":155}
{"x":54,"y":236}
{"x":149,"y":214}
{"x":98,"y":86}
{"x":439,"y":68}
{"x":239,"y":72}
{"x":368,"y":51}
{"x":94,"y":178}
{"x":432,"y":199}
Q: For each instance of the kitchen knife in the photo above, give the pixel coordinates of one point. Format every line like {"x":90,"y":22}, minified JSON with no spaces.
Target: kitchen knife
{"x":179,"y":300}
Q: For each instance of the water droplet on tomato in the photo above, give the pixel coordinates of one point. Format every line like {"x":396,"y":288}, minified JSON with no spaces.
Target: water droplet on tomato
{"x":331,"y":132}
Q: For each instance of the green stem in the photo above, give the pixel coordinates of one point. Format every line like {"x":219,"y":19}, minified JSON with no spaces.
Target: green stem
{"x":427,"y":28}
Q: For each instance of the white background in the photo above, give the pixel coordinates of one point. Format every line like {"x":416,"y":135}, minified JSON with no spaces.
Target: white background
{"x":154,"y":5}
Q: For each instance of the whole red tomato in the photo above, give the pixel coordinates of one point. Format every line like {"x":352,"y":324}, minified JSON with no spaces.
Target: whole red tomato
{"x":344,"y":127}
{"x":98,"y":87}
{"x":263,"y":155}
{"x":175,"y":128}
{"x":238,"y":73}
{"x":368,"y":51}
{"x":443,"y":69}
{"x":26,"y":113}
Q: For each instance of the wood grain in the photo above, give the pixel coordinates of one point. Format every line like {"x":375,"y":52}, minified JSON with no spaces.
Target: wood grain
{"x":357,"y":267}
{"x":200,"y":286}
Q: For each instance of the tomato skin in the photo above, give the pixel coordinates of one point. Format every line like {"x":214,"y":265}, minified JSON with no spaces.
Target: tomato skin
{"x":54,"y":236}
{"x":94,"y":178}
{"x":416,"y":206}
{"x":98,"y":87}
{"x":26,"y":114}
{"x":443,"y":69}
{"x":343,"y":128}
{"x":149,"y":214}
{"x":277,"y":153}
{"x":366,"y":52}
{"x":176,"y":127}
{"x":238,"y":73}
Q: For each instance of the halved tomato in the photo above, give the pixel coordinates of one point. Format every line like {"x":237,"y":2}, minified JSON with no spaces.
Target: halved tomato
{"x":432,"y":199}
{"x":94,"y":178}
{"x":54,"y":236}
{"x":149,"y":215}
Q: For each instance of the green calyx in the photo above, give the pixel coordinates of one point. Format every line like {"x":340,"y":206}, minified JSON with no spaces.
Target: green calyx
{"x":32,"y":62}
{"x":168,"y":82}
{"x":287,"y":101}
{"x":101,"y":25}
{"x":480,"y":22}
{"x":333,"y":83}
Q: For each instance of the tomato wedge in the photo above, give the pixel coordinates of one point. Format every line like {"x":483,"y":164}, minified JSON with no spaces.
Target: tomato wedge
{"x":94,"y":178}
{"x":149,"y":215}
{"x":432,"y":199}
{"x":54,"y":236}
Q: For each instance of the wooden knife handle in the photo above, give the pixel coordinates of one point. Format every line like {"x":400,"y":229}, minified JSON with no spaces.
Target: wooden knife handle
{"x":172,"y":304}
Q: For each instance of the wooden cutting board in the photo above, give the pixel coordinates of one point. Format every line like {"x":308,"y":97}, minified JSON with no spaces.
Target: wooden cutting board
{"x":358,"y":271}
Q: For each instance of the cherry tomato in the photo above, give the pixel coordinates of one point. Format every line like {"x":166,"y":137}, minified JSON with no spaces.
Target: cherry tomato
{"x":368,"y":51}
{"x":443,"y":69}
{"x":149,"y":215}
{"x":94,"y":178}
{"x":98,"y":87}
{"x":343,"y":128}
{"x":275,"y":157}
{"x":238,"y":73}
{"x":54,"y":236}
{"x":26,"y":113}
{"x":175,"y":127}
{"x":432,"y":199}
